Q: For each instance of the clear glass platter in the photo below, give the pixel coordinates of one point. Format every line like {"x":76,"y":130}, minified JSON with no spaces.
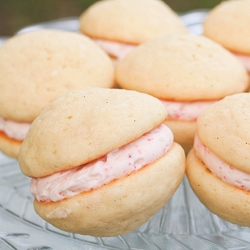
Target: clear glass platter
{"x":184,"y":223}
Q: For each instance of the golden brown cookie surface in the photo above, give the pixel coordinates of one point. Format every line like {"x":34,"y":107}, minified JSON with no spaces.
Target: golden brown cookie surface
{"x":182,"y":67}
{"x":86,"y":124}
{"x":130,"y":21}
{"x":39,"y":66}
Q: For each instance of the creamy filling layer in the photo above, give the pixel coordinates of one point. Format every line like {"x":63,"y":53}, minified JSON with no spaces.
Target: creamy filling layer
{"x":245,"y":60}
{"x":14,"y":130}
{"x":220,"y":168}
{"x":115,"y":49}
{"x":116,"y":164}
{"x":186,"y":111}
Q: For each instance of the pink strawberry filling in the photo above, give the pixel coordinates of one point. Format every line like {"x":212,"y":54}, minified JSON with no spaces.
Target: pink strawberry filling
{"x":220,"y":168}
{"x":14,"y":130}
{"x":186,"y":111}
{"x":115,"y":49}
{"x":116,"y":164}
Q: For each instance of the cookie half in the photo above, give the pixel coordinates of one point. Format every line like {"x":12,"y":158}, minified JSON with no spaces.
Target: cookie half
{"x":187,"y":73}
{"x":218,"y":166}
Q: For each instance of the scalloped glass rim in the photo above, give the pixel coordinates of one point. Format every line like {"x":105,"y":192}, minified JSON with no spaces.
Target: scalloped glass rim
{"x":184,"y":223}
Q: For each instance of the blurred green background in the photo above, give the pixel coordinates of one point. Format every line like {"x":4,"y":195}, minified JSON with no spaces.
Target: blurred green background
{"x":16,"y":14}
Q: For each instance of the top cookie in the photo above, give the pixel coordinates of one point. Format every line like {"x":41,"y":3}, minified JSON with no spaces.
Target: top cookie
{"x":84,"y":125}
{"x":130,"y":21}
{"x":228,"y":24}
{"x":39,"y":66}
{"x":224,"y":129}
{"x":182,"y":67}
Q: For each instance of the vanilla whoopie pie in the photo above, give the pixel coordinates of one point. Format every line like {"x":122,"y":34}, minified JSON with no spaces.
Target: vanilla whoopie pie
{"x":228,"y":25}
{"x":36,"y":68}
{"x":187,"y":73}
{"x":218,"y":166}
{"x":118,"y":25}
{"x":102,"y":162}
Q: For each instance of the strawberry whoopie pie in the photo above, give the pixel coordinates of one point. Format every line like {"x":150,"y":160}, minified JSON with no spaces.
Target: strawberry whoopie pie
{"x":36,"y":68}
{"x":118,"y":25}
{"x":102,"y":162}
{"x":187,"y":73}
{"x":218,"y":166}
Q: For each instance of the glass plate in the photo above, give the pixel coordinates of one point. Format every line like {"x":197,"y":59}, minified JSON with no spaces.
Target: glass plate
{"x":184,"y":223}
